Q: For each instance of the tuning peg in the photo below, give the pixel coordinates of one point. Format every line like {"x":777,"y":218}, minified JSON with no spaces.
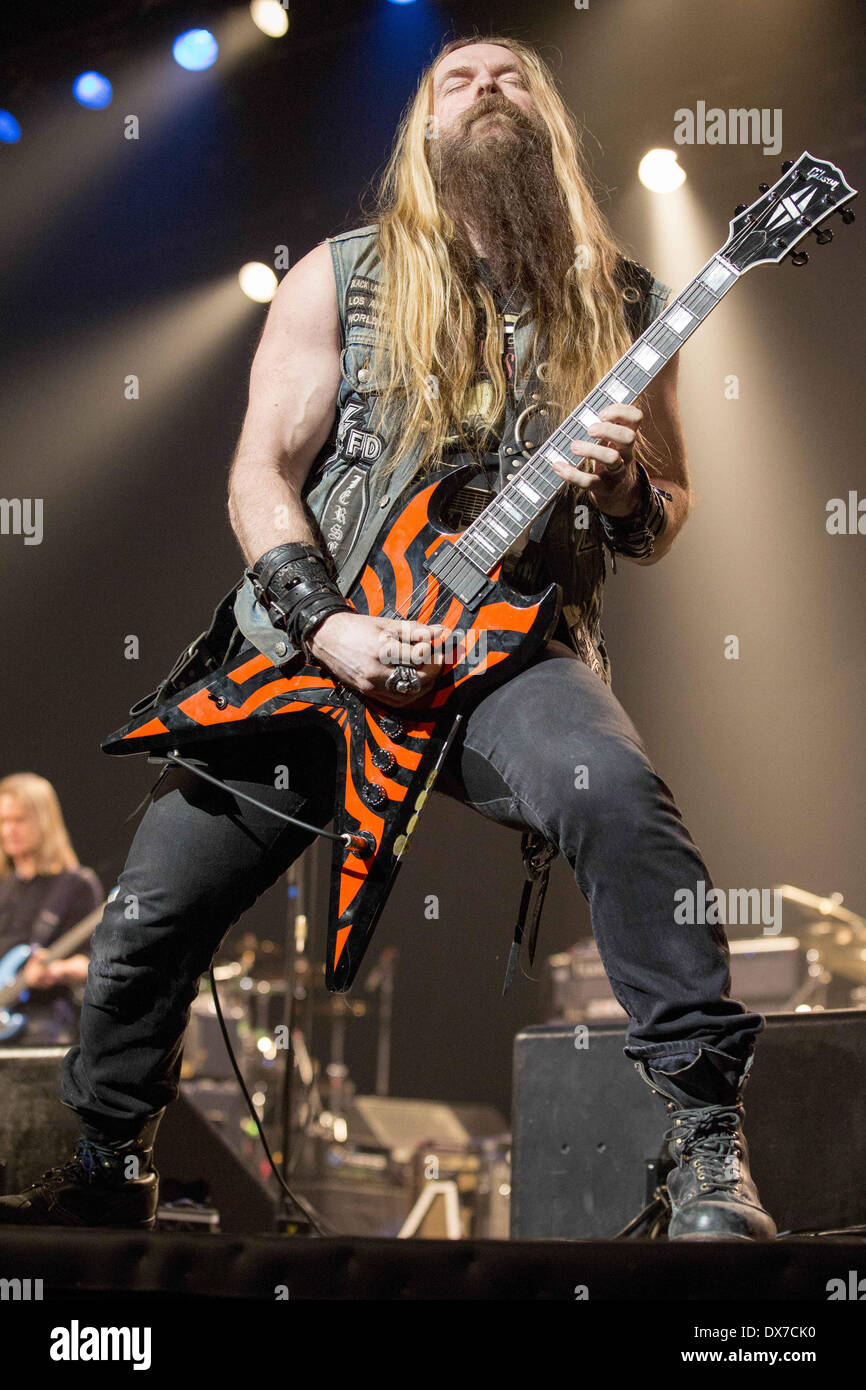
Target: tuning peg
{"x":848,"y":215}
{"x":823,"y":235}
{"x":788,"y":164}
{"x":763,"y":188}
{"x":799,"y":257}
{"x":741,"y":207}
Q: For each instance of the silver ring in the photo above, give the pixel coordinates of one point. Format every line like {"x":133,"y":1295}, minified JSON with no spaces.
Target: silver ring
{"x":403,"y":681}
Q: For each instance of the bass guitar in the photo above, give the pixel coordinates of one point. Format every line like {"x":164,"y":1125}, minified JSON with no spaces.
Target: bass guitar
{"x":421,"y":569}
{"x":12,"y":966}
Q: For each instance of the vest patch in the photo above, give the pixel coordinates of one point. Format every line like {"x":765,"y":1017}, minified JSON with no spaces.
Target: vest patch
{"x":354,"y":443}
{"x":361,"y":301}
{"x":343,"y":511}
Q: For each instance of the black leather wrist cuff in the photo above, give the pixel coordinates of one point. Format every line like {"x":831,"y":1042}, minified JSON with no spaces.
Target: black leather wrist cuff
{"x":296,"y":586}
{"x":268,"y":565}
{"x":635,"y":534}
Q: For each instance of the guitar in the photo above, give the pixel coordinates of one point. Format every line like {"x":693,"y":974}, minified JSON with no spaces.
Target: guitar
{"x":12,"y":969}
{"x":420,"y":568}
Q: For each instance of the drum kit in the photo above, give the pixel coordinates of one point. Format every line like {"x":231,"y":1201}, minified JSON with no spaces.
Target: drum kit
{"x":820,"y":963}
{"x":834,"y":941}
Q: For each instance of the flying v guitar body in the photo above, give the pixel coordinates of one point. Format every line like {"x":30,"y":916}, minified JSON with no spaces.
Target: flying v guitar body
{"x":388,"y":757}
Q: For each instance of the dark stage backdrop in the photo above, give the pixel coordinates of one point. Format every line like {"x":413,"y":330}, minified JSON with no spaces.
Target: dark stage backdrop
{"x":119,"y":259}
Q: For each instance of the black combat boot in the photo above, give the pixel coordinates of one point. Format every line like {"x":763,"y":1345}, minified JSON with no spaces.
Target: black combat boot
{"x":113,"y":1184}
{"x":711,"y":1192}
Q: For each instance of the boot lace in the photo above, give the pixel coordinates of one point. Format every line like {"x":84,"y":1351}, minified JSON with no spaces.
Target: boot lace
{"x":86,"y":1164}
{"x":707,"y":1139}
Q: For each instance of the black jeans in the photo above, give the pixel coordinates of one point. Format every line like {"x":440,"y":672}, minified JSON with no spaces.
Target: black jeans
{"x":200,"y":858}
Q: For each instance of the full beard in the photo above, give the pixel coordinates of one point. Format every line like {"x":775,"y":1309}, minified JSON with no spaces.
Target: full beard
{"x":502,"y":182}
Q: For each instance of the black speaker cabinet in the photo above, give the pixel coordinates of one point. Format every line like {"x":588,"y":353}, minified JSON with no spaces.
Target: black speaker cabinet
{"x":36,"y":1130}
{"x":587,"y":1131}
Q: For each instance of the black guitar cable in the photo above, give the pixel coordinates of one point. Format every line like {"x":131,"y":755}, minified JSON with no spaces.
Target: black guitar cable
{"x":317,"y":1222}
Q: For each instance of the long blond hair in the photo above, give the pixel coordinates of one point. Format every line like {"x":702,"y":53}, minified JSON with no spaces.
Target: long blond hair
{"x":54,"y":852}
{"x":428,"y":318}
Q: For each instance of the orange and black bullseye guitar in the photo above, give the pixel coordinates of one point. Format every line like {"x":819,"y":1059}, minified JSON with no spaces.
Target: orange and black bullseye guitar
{"x":388,"y":756}
{"x":420,"y":568}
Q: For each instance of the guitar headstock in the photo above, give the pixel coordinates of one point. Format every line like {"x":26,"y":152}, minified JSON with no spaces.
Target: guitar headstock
{"x":809,"y":191}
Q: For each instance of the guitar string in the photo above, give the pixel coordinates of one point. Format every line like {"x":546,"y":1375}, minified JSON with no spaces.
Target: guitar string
{"x":529,"y":469}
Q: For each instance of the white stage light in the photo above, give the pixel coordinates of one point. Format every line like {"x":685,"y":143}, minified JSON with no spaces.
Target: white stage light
{"x":660,"y":172}
{"x":258,"y":281}
{"x":270,"y":17}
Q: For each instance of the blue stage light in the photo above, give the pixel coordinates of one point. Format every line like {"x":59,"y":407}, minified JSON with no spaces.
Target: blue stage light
{"x":195,"y":50}
{"x":93,"y":90}
{"x":10,"y":130}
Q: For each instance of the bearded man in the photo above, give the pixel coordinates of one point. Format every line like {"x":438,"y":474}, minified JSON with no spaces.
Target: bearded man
{"x":474,"y":314}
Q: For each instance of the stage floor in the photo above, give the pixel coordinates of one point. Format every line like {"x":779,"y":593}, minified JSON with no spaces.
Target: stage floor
{"x":88,"y":1264}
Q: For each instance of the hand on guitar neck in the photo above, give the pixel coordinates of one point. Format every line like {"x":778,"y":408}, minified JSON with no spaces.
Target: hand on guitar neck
{"x":42,"y":973}
{"x":362,"y":652}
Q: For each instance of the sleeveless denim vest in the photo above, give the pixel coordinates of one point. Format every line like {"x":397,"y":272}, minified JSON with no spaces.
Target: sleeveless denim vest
{"x":347,"y":492}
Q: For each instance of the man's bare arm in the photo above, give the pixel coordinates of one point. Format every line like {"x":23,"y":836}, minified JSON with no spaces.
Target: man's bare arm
{"x":294,"y":387}
{"x":294,"y":383}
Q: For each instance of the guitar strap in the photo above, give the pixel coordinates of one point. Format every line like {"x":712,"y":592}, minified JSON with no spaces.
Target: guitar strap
{"x":538,"y":854}
{"x":210,"y":650}
{"x":44,"y":929}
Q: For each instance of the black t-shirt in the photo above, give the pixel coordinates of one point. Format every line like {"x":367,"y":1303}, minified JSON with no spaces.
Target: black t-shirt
{"x":38,"y":911}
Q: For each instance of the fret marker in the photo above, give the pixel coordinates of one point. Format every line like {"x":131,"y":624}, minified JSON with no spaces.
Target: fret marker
{"x":500,"y":530}
{"x":716,"y":275}
{"x":480,"y":540}
{"x":646,"y":357}
{"x":587,"y":416}
{"x":552,"y":455}
{"x":678,"y":319}
{"x":510,"y":508}
{"x":527,"y":490}
{"x":616,"y":389}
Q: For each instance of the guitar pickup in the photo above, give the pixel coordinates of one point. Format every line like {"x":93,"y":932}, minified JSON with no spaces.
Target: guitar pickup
{"x":453,"y":569}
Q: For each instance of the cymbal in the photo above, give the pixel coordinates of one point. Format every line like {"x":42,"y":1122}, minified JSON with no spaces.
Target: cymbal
{"x":829,"y":909}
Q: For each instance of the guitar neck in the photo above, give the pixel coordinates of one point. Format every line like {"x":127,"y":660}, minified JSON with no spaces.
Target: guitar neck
{"x":66,"y":945}
{"x":487,"y":540}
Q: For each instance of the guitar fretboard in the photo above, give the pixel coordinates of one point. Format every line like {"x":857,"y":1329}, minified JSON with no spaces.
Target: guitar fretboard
{"x":504,"y":520}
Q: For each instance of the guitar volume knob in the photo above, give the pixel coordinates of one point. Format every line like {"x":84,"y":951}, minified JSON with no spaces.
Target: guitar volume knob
{"x":393,"y":727}
{"x":375,"y":794}
{"x":383,"y":759}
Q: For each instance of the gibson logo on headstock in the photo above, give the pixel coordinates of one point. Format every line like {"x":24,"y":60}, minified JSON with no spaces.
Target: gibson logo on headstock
{"x":822,"y":178}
